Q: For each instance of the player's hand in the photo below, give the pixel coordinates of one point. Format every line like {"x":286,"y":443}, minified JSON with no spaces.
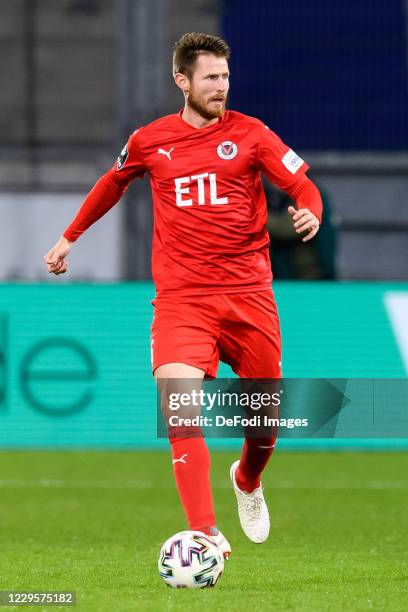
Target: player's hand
{"x":55,"y":258}
{"x":304,"y":221}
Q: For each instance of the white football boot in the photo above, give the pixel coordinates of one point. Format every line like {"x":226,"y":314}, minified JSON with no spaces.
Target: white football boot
{"x":221,"y":542}
{"x":252,"y":510}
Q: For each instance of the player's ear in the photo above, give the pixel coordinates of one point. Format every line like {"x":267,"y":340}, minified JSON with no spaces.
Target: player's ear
{"x":182,"y":82}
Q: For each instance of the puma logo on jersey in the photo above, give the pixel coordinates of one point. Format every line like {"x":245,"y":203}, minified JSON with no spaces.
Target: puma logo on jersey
{"x":181,"y":460}
{"x":167,"y":153}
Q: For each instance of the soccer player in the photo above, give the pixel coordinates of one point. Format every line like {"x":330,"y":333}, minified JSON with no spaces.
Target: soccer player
{"x":210,"y":257}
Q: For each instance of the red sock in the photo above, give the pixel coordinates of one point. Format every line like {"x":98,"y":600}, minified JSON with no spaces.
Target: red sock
{"x":191,"y":465}
{"x":255,"y":454}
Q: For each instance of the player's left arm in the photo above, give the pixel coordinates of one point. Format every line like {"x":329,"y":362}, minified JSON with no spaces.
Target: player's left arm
{"x":307,"y":217}
{"x":288,"y":172}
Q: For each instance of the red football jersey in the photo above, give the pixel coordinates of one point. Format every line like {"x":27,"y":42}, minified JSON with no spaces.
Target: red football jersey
{"x":210,"y":212}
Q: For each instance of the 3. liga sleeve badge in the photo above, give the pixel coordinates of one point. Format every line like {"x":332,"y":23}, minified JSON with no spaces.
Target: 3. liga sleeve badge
{"x":227,"y":150}
{"x":121,"y":161}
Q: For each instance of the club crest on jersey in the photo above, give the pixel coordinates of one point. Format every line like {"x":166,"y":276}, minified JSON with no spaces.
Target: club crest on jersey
{"x":121,"y":161}
{"x":227,"y":150}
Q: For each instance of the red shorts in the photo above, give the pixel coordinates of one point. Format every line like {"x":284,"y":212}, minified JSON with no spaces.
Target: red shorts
{"x":240,"y":329}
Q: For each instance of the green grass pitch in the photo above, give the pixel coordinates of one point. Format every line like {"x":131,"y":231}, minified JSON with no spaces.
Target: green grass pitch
{"x":94,"y":522}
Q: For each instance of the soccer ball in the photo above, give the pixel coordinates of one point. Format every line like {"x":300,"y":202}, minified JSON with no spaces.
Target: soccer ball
{"x":191,"y":560}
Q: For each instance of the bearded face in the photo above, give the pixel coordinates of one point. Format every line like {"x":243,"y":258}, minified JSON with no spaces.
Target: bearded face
{"x":210,"y":106}
{"x":209,"y":85}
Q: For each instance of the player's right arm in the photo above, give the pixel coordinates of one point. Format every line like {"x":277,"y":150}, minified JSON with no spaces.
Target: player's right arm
{"x":106,"y":192}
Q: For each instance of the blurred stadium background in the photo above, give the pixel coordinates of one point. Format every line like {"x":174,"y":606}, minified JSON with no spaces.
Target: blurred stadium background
{"x":331,"y":78}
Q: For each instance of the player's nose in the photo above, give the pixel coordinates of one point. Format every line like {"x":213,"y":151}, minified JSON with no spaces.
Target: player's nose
{"x":221,"y":91}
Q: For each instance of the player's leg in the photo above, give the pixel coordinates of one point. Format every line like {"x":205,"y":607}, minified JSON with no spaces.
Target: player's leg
{"x":191,"y":458}
{"x":254,"y":350}
{"x":259,"y":442}
{"x":184,"y":349}
{"x":253,"y":343}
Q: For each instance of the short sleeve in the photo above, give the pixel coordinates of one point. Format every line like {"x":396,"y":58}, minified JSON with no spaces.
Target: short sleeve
{"x":278,"y":161}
